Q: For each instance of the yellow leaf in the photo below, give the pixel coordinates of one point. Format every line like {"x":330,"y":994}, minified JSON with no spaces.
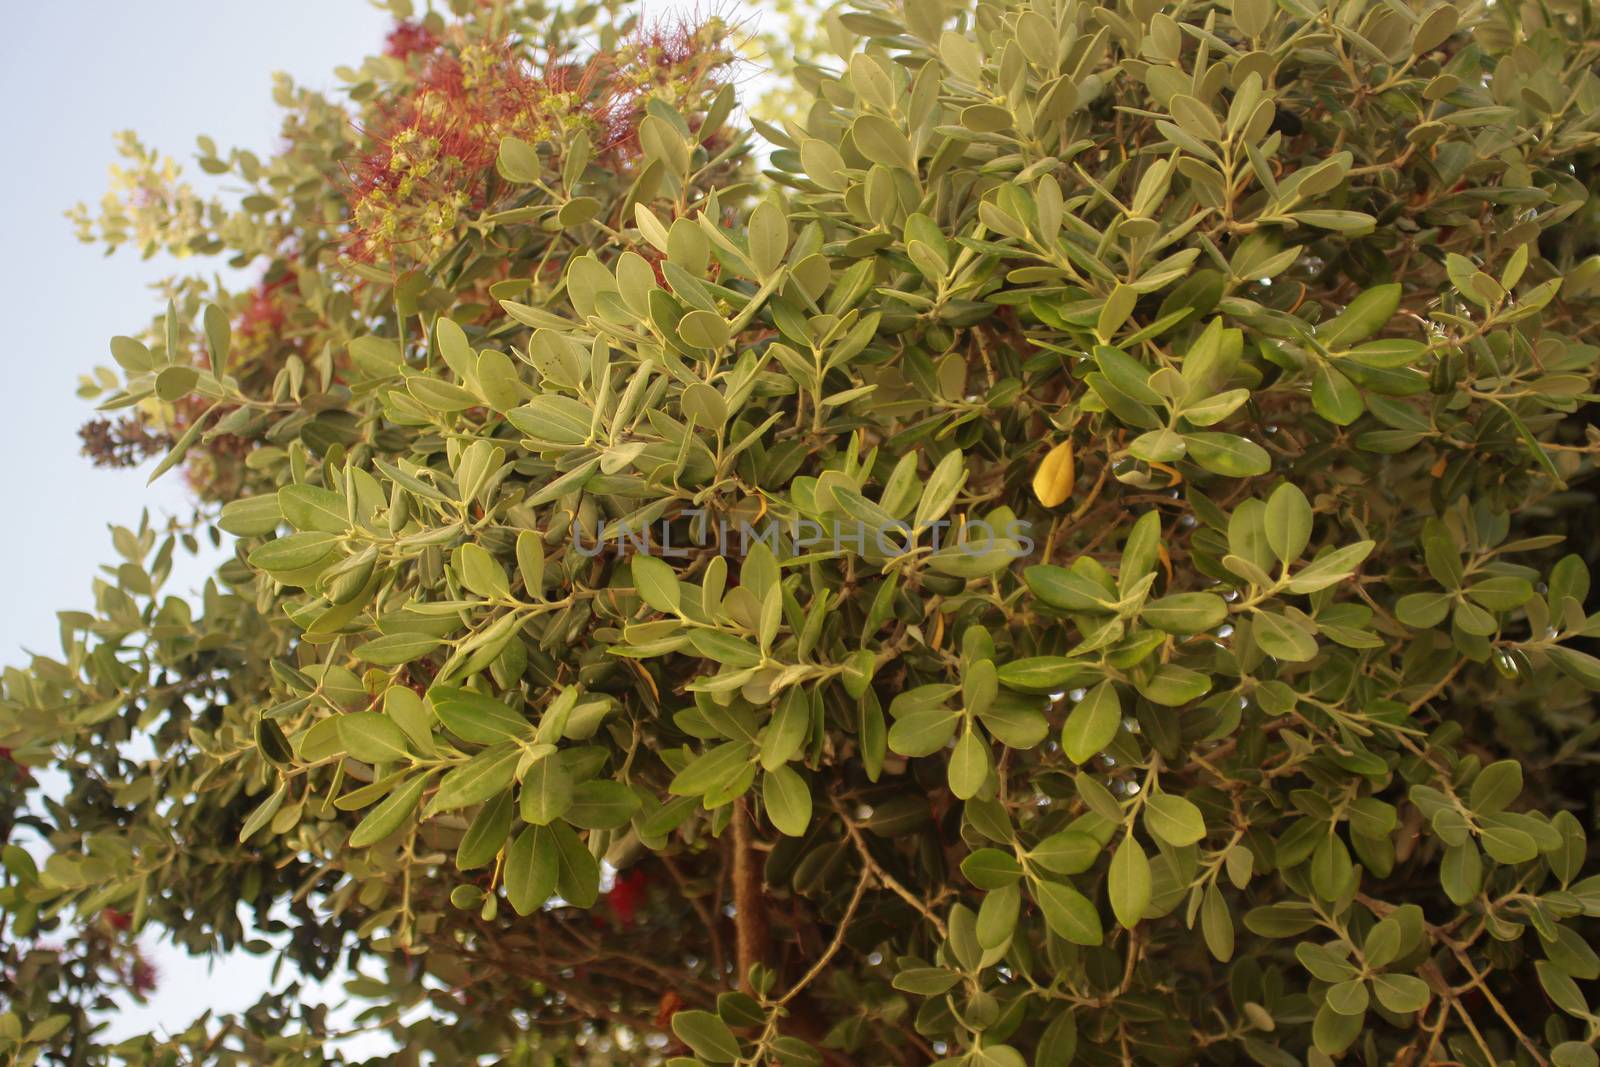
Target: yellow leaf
{"x":1052,"y":482}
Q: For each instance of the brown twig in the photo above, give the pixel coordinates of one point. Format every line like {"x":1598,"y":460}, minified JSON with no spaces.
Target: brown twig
{"x":887,"y":880}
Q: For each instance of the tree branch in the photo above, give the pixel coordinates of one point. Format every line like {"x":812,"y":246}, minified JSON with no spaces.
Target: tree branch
{"x":749,"y":898}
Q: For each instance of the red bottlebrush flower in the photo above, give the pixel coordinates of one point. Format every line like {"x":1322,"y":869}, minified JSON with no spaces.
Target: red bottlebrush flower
{"x":143,"y":976}
{"x":264,"y":314}
{"x":626,"y":895}
{"x":408,"y":38}
{"x":434,"y":146}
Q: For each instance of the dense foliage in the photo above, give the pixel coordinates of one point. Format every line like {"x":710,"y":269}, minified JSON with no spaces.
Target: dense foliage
{"x":1075,"y":550}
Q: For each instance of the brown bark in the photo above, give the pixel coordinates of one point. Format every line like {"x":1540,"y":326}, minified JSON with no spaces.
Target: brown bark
{"x":749,"y":897}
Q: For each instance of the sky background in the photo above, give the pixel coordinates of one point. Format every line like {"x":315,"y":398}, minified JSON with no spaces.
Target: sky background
{"x":73,"y":74}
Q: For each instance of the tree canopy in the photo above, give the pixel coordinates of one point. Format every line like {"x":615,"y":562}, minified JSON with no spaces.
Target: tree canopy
{"x":1057,"y":532}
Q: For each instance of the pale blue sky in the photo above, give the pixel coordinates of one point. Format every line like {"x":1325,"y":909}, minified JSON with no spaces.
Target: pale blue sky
{"x":73,"y":74}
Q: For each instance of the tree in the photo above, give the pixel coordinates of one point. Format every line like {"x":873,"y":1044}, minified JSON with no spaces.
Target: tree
{"x":1079,"y":552}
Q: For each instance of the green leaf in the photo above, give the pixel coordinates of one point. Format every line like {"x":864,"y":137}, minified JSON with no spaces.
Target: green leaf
{"x":408,"y":712}
{"x":703,"y":329}
{"x":480,"y":572}
{"x":1040,"y":674}
{"x":1062,"y":588}
{"x":1173,"y":819}
{"x":478,"y":779}
{"x":1185,"y":613}
{"x":577,"y":873}
{"x":1058,"y":1044}
{"x":1016,"y":723}
{"x":546,"y":791}
{"x":1350,"y":222}
{"x":517,"y":161}
{"x":485,"y":834}
{"x":1501,"y":593}
{"x":725,"y":648}
{"x":769,"y":238}
{"x":392,"y":650}
{"x":656,"y":583}
{"x":601,"y":805}
{"x":1097,"y":798}
{"x":1362,"y":317}
{"x":531,"y":869}
{"x":252,"y":516}
{"x":389,"y":814}
{"x":997,"y":916}
{"x":180,"y":448}
{"x":1335,"y":397}
{"x":551,"y":419}
{"x":1507,"y":845}
{"x":787,"y":799}
{"x":307,"y":507}
{"x":926,"y":981}
{"x":1574,"y":1054}
{"x":1496,"y":786}
{"x":1282,"y":639}
{"x":923,"y":732}
{"x":1216,"y":924}
{"x":1421,"y":611}
{"x":1280,"y":920}
{"x":1092,"y":723}
{"x":371,"y":737}
{"x":711,"y":770}
{"x":530,"y":563}
{"x":1383,"y":943}
{"x":1227,"y":454}
{"x":273,"y":745}
{"x":882,"y":141}
{"x":475,"y":717}
{"x":970,"y":764}
{"x":1068,"y":913}
{"x":940,"y":490}
{"x":294,"y":552}
{"x":990,"y":868}
{"x":263,"y":813}
{"x":706,"y":1035}
{"x":1288,"y":522}
{"x":1333,"y":1032}
{"x":1172,"y":686}
{"x":1461,"y":872}
{"x":1401,"y":992}
{"x":1579,"y":666}
{"x":1561,"y":989}
{"x":1129,"y":882}
{"x":1330,"y":568}
{"x":786,"y":732}
{"x":1065,"y":852}
{"x":174,"y":383}
{"x":1348,"y":997}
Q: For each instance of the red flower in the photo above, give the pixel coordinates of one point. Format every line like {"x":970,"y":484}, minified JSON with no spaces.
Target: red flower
{"x":408,"y":38}
{"x":627,"y":893}
{"x":142,"y":976}
{"x":434,"y":145}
